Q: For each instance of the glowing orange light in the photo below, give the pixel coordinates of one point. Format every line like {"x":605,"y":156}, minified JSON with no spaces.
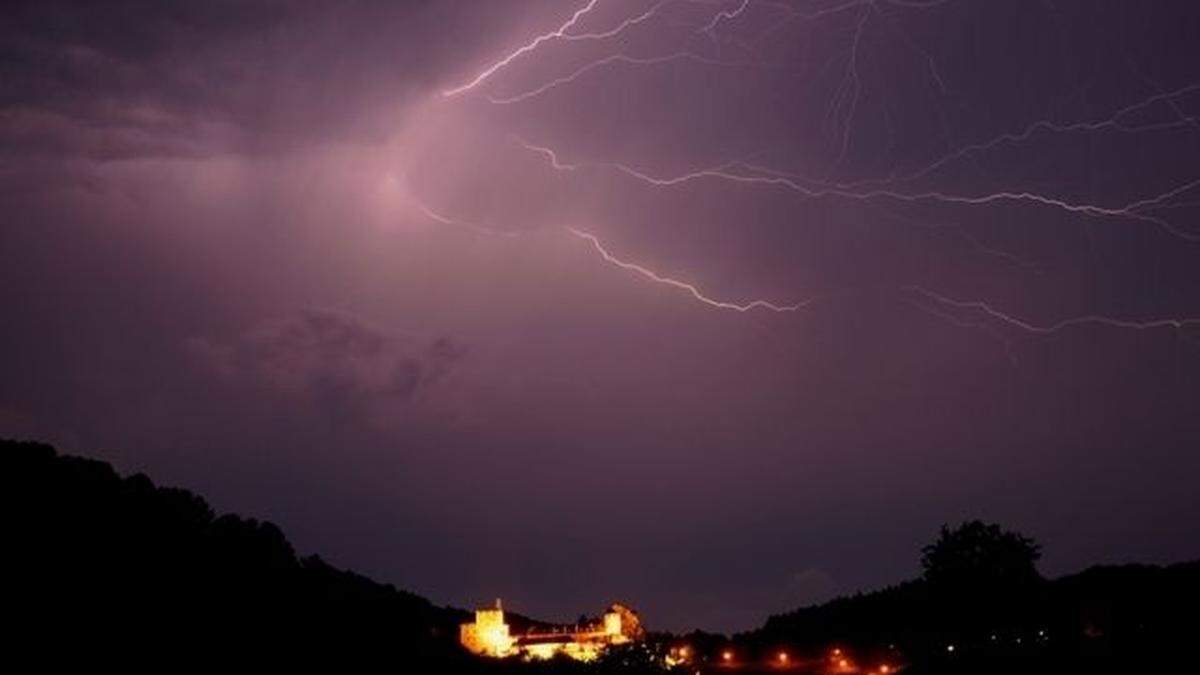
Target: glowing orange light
{"x":885,"y":669}
{"x":727,"y":655}
{"x":837,"y":652}
{"x":683,"y":651}
{"x":843,"y":663}
{"x":783,"y":657}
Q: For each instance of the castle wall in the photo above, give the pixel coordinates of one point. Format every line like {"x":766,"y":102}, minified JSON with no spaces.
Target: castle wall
{"x":489,"y":636}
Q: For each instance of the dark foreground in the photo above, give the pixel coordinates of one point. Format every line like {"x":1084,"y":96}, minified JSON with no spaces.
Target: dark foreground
{"x":102,"y":570}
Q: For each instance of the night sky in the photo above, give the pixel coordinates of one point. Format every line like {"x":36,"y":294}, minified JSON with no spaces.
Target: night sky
{"x":715,"y":307}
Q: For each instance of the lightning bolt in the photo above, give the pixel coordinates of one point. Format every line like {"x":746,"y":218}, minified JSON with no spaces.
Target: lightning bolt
{"x":963,"y":234}
{"x":558,"y":165}
{"x":1047,"y":329}
{"x":794,"y":15}
{"x":599,"y":63}
{"x":970,"y":325}
{"x":474,"y":227}
{"x":843,"y":108}
{"x":603,"y":253}
{"x":851,"y":86}
{"x":683,"y":285}
{"x":560,"y":33}
{"x":1132,"y":211}
{"x":724,"y":15}
{"x":1113,"y":123}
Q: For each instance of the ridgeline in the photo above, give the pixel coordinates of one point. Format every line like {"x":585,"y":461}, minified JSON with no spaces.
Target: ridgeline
{"x":109,"y":570}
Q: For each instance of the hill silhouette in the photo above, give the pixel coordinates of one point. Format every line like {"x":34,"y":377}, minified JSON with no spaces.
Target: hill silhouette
{"x":104,"y":570}
{"x":101,"y":569}
{"x":119,"y":563}
{"x":981,"y":607}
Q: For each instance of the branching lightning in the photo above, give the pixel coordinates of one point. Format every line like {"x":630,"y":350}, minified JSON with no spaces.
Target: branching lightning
{"x":724,"y":15}
{"x":756,"y":175}
{"x":642,"y":271}
{"x":599,"y":63}
{"x":522,"y":50}
{"x":1156,"y":210}
{"x":1047,"y":329}
{"x":560,"y":33}
{"x":1111,"y":124}
{"x":852,"y":87}
{"x":474,"y":227}
{"x":682,"y":285}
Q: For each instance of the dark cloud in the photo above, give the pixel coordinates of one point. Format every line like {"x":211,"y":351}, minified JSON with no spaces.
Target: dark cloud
{"x":137,"y":78}
{"x":335,"y":364}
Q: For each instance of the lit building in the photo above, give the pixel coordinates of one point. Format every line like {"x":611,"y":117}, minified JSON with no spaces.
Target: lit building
{"x":489,"y":636}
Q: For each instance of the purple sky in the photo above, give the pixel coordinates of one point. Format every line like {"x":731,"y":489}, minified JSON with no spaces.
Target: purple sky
{"x":859,"y":268}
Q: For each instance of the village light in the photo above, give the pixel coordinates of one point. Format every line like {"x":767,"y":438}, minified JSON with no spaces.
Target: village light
{"x":726,"y":655}
{"x":783,"y":657}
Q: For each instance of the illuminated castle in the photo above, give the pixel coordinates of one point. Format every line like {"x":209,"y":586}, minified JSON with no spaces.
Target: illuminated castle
{"x":489,"y":636}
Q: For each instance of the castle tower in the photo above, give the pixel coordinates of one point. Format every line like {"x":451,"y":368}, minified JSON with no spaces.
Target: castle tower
{"x":488,"y":635}
{"x":612,"y":624}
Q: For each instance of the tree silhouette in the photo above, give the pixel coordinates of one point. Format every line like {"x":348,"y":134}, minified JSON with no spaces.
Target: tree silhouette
{"x":982,"y":578}
{"x":977,"y":554}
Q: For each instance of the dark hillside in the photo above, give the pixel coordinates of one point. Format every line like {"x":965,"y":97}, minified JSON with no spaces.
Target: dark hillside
{"x":122,"y":562}
{"x":1128,"y":618}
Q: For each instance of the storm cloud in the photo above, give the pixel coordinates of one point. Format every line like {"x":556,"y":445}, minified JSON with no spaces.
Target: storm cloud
{"x":338,"y":365}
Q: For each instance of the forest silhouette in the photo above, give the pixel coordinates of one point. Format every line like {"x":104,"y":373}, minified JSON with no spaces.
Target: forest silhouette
{"x":103,"y":568}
